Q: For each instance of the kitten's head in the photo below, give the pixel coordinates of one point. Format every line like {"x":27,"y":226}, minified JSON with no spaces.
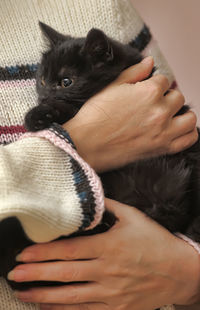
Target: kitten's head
{"x":74,"y":69}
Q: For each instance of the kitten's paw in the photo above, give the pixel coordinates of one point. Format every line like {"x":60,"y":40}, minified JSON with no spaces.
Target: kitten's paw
{"x":41,"y":117}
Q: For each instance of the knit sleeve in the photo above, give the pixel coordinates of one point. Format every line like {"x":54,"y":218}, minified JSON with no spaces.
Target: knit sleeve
{"x":48,"y":186}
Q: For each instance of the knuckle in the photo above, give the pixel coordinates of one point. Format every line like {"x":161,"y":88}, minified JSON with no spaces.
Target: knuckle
{"x":69,"y":274}
{"x":195,"y":136}
{"x":187,"y":142}
{"x":69,"y":250}
{"x":193,"y":119}
{"x":163,"y":79}
{"x":111,"y":272}
{"x":179,"y":96}
{"x":154,"y":88}
{"x":74,"y":297}
{"x":160,"y":115}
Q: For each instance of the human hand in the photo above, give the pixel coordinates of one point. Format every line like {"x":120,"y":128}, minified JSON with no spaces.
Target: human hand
{"x":137,"y":264}
{"x":131,"y":119}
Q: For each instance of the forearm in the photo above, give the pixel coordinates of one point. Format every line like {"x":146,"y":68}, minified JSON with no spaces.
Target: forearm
{"x":42,"y":172}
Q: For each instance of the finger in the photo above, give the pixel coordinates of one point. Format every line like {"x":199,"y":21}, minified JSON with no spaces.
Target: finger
{"x":67,"y":294}
{"x":158,"y":84}
{"x":184,"y":142}
{"x":137,"y":72}
{"x":174,"y":100}
{"x":86,"y":306}
{"x":74,"y":271}
{"x":85,"y":247}
{"x":182,"y":125}
{"x":122,"y":211}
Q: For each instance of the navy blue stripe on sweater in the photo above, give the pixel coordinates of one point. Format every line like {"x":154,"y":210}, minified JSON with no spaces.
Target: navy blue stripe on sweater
{"x":81,"y":182}
{"x":142,"y":39}
{"x":85,"y":194}
{"x":23,"y":72}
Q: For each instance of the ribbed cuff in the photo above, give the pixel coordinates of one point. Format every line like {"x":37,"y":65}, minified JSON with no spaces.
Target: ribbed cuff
{"x":62,"y":134}
{"x":88,"y":185}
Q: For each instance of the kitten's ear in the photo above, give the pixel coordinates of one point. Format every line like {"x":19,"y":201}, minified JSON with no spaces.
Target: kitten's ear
{"x":98,"y":46}
{"x":52,"y":35}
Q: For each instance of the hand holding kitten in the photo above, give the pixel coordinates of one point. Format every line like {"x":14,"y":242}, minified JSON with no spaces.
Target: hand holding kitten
{"x":132,"y":119}
{"x":116,"y":266}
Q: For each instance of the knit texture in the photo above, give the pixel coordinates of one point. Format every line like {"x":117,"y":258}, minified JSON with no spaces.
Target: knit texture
{"x":46,"y":209}
{"x":20,"y":49}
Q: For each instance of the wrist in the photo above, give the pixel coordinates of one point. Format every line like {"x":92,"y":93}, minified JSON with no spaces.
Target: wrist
{"x":84,"y":143}
{"x":186,"y":270}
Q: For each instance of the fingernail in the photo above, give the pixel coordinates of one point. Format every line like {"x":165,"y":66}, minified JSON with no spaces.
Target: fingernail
{"x":147,"y":60}
{"x":16,"y":275}
{"x":23,"y":257}
{"x":18,"y":258}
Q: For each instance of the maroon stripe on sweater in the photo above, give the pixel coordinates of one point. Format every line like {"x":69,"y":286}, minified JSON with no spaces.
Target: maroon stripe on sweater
{"x":9,"y":134}
{"x":12,"y":129}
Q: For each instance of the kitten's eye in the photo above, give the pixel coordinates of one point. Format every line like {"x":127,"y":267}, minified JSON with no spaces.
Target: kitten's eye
{"x":66,"y":82}
{"x":43,"y":81}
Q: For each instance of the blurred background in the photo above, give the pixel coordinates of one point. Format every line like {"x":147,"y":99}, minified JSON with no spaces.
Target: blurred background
{"x":176,"y":26}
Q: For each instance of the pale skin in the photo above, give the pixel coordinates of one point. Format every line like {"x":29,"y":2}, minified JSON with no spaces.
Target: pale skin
{"x":137,"y":264}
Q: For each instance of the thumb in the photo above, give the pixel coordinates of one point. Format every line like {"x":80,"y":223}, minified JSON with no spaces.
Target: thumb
{"x":124,"y":212}
{"x":117,"y":208}
{"x":137,"y":72}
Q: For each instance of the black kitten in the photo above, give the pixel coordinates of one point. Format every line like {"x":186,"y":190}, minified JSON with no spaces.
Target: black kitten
{"x":72,"y":71}
{"x":166,"y":188}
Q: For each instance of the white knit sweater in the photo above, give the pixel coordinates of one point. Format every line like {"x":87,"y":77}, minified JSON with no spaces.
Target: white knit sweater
{"x":32,"y":168}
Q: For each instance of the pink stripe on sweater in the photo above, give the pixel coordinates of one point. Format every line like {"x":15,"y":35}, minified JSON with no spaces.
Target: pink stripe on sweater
{"x":17,"y":83}
{"x":94,"y":180}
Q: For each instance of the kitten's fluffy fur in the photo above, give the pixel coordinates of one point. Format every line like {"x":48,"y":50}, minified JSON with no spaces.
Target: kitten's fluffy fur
{"x":166,"y":188}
